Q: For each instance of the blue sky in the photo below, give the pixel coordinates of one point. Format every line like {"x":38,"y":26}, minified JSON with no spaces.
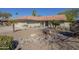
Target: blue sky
{"x":28,"y":11}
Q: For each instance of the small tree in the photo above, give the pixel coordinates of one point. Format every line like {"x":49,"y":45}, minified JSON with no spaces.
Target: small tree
{"x":13,"y":24}
{"x":71,"y":14}
{"x":55,"y":23}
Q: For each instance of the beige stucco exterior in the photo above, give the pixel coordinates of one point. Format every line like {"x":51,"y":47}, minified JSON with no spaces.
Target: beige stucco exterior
{"x":24,"y":25}
{"x":65,"y":25}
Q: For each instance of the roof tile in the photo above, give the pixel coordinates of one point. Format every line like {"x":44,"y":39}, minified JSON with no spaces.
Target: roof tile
{"x":42,"y":18}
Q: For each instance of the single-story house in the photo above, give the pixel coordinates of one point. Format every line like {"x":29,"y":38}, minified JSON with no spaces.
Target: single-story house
{"x":39,"y":21}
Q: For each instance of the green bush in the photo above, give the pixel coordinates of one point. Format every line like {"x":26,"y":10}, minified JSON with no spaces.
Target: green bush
{"x":6,"y":42}
{"x":56,"y":23}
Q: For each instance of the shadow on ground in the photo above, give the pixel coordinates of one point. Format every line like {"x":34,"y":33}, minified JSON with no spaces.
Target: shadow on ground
{"x":69,"y":34}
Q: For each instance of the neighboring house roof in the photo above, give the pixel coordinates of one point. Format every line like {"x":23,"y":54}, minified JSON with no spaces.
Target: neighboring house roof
{"x":42,"y":18}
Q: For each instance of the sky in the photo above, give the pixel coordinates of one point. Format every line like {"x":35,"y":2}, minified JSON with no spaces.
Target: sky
{"x":28,"y":11}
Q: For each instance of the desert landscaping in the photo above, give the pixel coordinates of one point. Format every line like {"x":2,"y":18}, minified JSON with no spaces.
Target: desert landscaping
{"x":59,"y":31}
{"x":42,"y":39}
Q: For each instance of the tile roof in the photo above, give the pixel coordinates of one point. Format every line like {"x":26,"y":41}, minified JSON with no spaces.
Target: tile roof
{"x":42,"y":18}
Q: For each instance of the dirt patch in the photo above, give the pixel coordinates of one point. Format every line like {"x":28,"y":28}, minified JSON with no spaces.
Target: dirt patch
{"x":35,"y":39}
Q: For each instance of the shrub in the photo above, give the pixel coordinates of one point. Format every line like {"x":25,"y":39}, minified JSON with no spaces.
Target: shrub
{"x":6,"y":42}
{"x":55,"y":23}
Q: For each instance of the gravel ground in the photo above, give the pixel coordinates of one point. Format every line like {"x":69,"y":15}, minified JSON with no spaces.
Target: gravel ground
{"x":35,"y":39}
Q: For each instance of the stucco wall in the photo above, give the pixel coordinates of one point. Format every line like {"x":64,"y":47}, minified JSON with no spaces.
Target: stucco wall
{"x":65,"y":25}
{"x":20,"y":25}
{"x":27,"y":25}
{"x":34,"y":25}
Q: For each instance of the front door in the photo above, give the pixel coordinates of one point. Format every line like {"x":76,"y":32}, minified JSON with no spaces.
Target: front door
{"x":46,"y":23}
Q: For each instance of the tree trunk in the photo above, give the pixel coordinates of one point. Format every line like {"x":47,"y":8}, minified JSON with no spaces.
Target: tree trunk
{"x":13,"y":27}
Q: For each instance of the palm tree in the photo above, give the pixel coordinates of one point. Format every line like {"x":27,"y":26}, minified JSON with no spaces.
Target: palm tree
{"x":16,"y":13}
{"x":34,"y":13}
{"x":13,"y":24}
